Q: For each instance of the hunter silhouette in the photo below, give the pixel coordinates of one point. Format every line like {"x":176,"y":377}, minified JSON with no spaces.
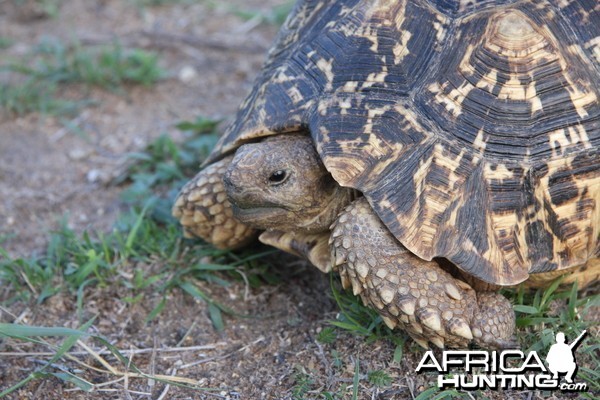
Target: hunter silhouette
{"x":560,"y":357}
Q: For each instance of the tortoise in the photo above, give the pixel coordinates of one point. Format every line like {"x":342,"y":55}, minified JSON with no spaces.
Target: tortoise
{"x":431,"y":151}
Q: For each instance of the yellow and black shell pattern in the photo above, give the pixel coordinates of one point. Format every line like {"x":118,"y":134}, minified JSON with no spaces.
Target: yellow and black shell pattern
{"x":471,"y":126}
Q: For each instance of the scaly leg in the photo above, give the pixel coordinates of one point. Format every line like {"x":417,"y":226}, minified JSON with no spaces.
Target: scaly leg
{"x":312,"y":246}
{"x":413,"y":294}
{"x":204,"y":211}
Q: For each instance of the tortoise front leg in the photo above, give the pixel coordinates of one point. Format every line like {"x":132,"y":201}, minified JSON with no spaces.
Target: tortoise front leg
{"x":312,"y":246}
{"x":204,"y":211}
{"x":415,"y":295}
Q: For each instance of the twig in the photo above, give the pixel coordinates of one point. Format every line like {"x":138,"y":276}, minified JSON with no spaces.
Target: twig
{"x":125,"y":352}
{"x":22,"y":316}
{"x":7,"y":311}
{"x":167,"y":387}
{"x":128,"y":374}
{"x":109,"y":391}
{"x":410,"y":384}
{"x":98,"y":358}
{"x":260,"y":339}
{"x":113,"y":382}
{"x":26,"y":279}
{"x":186,"y":334}
{"x":153,"y":360}
{"x":204,"y":361}
{"x":126,"y":382}
{"x":246,"y":284}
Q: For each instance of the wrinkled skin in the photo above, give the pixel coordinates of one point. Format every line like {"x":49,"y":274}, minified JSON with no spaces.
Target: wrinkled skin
{"x":280,"y":186}
{"x":280,"y":183}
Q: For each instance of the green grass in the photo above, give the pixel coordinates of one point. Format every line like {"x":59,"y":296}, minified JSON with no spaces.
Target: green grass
{"x":42,"y":74}
{"x":50,"y":8}
{"x":143,"y":253}
{"x":327,"y":335}
{"x":144,"y":233}
{"x":34,"y":96}
{"x":50,"y":369}
{"x":303,"y":382}
{"x":379,"y":378}
{"x":108,"y":67}
{"x":364,"y":321}
{"x":274,"y":15}
{"x":540,"y":314}
{"x":6,"y":42}
{"x":544,"y":312}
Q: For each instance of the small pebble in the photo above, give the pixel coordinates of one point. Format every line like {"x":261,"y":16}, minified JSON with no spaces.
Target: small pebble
{"x":94,"y":175}
{"x":188,"y":74}
{"x":77,"y":154}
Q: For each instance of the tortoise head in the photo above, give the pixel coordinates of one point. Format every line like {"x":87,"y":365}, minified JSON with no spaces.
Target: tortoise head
{"x":281,"y":184}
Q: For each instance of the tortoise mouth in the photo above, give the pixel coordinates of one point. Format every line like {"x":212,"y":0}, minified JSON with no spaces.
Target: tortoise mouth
{"x":263,"y":216}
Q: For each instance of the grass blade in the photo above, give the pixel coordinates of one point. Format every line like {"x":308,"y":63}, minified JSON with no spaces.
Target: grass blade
{"x":551,"y":289}
{"x":356,"y":380}
{"x":74,"y":379}
{"x":216,"y":317}
{"x":134,"y":230}
{"x":157,"y":310}
{"x":427,"y":394}
{"x":24,"y":331}
{"x":525,"y":309}
{"x":398,"y":353}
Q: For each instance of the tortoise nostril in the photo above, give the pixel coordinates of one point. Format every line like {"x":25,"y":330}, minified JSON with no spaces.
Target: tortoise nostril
{"x":228,"y":182}
{"x":236,"y":184}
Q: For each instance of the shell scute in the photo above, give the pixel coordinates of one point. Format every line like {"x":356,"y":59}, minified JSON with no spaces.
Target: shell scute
{"x":471,"y":126}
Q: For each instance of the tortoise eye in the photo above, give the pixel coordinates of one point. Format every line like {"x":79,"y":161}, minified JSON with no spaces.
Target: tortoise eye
{"x":278,"y":177}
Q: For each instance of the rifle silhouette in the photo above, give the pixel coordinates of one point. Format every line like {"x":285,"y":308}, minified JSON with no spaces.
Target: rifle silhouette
{"x":576,"y":341}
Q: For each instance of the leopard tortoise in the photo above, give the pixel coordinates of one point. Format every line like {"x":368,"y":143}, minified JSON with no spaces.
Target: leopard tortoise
{"x":431,"y":151}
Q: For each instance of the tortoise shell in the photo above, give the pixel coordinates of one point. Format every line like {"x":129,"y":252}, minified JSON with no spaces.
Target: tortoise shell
{"x":471,"y":126}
